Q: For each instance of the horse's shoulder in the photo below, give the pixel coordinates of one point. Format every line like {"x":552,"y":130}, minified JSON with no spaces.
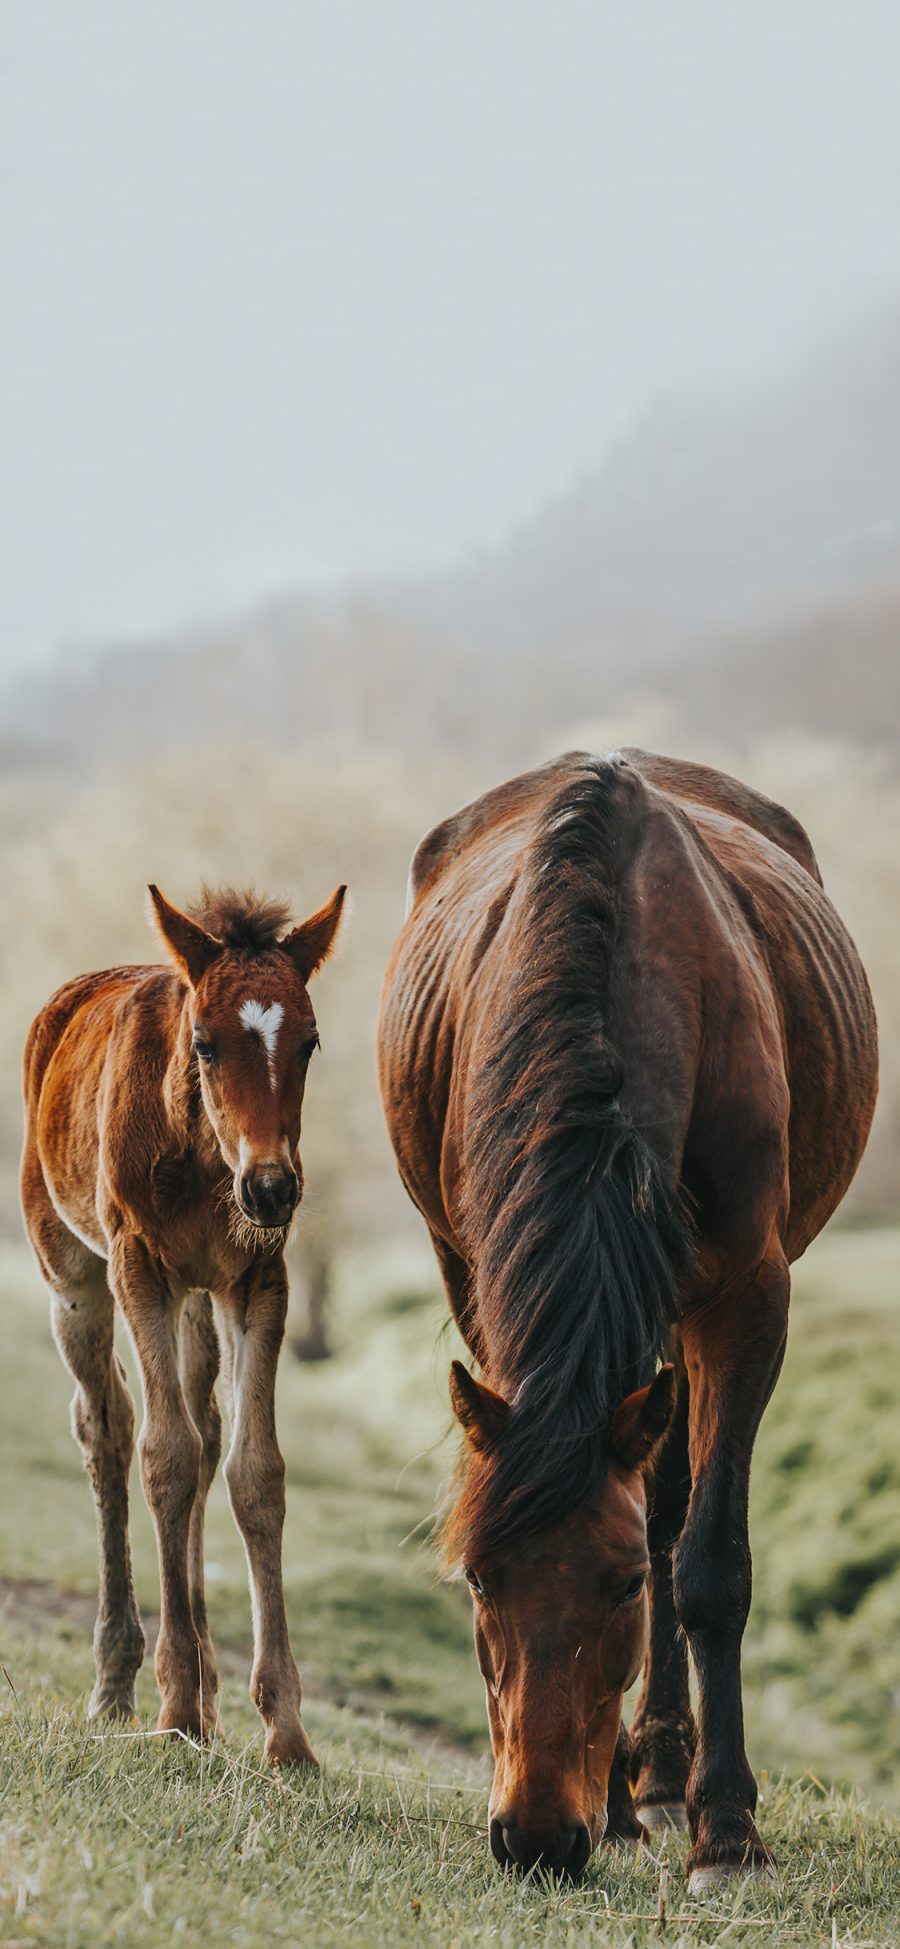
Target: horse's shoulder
{"x":694,"y":784}
{"x":442,"y":846}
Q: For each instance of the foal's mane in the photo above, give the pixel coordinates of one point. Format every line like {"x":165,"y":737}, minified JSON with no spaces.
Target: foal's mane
{"x":247,"y":922}
{"x":577,"y":1233}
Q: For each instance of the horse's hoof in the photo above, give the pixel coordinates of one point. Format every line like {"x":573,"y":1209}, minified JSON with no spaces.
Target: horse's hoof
{"x":291,"y":1749}
{"x":657,"y":1814}
{"x":183,"y":1722}
{"x":702,"y":1881}
{"x":111,"y":1705}
{"x":625,"y":1843}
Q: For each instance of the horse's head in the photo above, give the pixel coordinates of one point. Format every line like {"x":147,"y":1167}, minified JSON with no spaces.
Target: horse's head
{"x":561,"y":1624}
{"x":253,"y":1032}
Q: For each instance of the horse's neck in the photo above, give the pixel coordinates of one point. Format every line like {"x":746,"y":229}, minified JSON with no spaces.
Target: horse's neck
{"x":188,"y":1124}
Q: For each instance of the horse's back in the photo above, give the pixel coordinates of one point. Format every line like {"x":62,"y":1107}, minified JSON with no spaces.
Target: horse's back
{"x":699,"y":785}
{"x":725,"y":918}
{"x":92,"y":993}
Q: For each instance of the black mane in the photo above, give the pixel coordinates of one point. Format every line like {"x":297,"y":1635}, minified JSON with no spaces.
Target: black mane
{"x":577,"y":1236}
{"x":247,"y":922}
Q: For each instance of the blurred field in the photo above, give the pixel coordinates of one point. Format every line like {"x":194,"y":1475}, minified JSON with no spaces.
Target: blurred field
{"x":77,"y":851}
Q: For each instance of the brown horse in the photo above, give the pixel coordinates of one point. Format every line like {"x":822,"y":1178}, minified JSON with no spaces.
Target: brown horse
{"x":628,"y":1061}
{"x":161,"y":1171}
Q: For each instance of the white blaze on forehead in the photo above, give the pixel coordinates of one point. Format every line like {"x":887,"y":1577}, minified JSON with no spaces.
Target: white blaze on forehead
{"x":264,"y":1022}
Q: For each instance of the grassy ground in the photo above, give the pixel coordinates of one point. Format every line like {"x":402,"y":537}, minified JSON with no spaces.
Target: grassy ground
{"x":112,"y":1839}
{"x":115,"y":1840}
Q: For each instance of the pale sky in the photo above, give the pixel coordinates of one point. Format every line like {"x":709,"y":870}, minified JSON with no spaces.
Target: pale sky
{"x":322,"y":288}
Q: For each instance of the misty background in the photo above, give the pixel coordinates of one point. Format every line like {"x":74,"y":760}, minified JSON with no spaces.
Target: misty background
{"x":393,"y":397}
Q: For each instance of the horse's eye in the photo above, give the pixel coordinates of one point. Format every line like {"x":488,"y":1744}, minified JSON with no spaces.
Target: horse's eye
{"x":631,"y":1590}
{"x":204,"y":1049}
{"x":474,"y":1584}
{"x":311,"y":1044}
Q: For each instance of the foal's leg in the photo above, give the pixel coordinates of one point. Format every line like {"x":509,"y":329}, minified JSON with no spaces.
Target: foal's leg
{"x":83,"y":1315}
{"x":170,"y":1450}
{"x":734,"y":1349}
{"x":253,"y":1317}
{"x":662,"y":1730}
{"x":199,"y":1362}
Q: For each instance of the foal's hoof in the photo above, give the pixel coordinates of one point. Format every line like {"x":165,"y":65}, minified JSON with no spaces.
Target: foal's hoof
{"x":705,"y":1880}
{"x":659,"y":1814}
{"x":290,"y":1748}
{"x":107,"y":1704}
{"x":186,"y":1721}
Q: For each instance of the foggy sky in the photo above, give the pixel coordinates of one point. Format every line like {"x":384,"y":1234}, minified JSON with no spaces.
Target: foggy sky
{"x":303,"y":290}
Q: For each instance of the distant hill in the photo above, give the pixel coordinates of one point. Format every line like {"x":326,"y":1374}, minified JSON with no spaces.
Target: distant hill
{"x":711,"y":515}
{"x":741,"y":558}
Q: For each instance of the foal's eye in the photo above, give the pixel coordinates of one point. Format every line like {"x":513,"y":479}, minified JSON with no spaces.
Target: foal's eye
{"x":474,"y":1584}
{"x":631,"y":1590}
{"x":204,"y":1049}
{"x":312,"y":1043}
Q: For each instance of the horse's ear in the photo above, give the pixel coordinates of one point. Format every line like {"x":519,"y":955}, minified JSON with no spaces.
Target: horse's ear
{"x":311,"y":943}
{"x":641,"y":1421}
{"x":481,"y":1412}
{"x":191,"y":948}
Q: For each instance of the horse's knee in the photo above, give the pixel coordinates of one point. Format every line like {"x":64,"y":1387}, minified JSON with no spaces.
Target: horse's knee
{"x":711,"y":1581}
{"x":256,"y":1490}
{"x":102,"y":1418}
{"x":170,"y":1456}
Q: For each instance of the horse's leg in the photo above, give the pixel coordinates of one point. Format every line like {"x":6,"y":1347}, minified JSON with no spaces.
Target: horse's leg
{"x":83,"y":1316}
{"x":733,"y":1349}
{"x":199,"y":1363}
{"x":170,"y":1450}
{"x":253,"y":1316}
{"x":662,"y":1730}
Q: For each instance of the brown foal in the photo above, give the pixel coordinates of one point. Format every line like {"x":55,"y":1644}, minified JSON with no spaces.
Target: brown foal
{"x":628,"y":1060}
{"x":161,"y":1171}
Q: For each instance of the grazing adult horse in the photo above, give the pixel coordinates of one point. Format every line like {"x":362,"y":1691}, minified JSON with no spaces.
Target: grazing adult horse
{"x":161,"y":1171}
{"x":628,"y":1061}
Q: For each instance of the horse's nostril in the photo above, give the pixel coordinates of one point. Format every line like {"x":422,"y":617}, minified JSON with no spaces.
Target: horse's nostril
{"x":565,"y":1851}
{"x":499,"y":1849}
{"x":247,"y":1198}
{"x":579,"y":1853}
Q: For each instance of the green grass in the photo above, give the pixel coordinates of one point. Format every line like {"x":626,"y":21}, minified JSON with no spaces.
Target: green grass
{"x":116,"y":1839}
{"x":389,"y":1845}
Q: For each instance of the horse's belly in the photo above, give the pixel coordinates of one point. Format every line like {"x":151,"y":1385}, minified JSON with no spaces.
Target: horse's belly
{"x":67,"y":1144}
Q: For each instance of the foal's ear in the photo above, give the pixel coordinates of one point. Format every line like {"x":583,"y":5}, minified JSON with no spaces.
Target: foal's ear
{"x":311,"y":943}
{"x":480,"y":1411}
{"x":191,"y":948}
{"x":641,"y":1421}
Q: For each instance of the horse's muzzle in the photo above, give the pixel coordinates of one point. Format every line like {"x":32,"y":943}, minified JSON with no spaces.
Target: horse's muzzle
{"x":268,"y":1194}
{"x":563,"y":1851}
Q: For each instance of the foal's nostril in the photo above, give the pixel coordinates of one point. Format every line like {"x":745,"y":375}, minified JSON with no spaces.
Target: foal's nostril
{"x":269,"y":1194}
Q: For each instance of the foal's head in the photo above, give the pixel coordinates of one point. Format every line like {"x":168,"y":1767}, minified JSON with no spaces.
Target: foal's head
{"x":561,"y":1628}
{"x":253,"y":1032}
